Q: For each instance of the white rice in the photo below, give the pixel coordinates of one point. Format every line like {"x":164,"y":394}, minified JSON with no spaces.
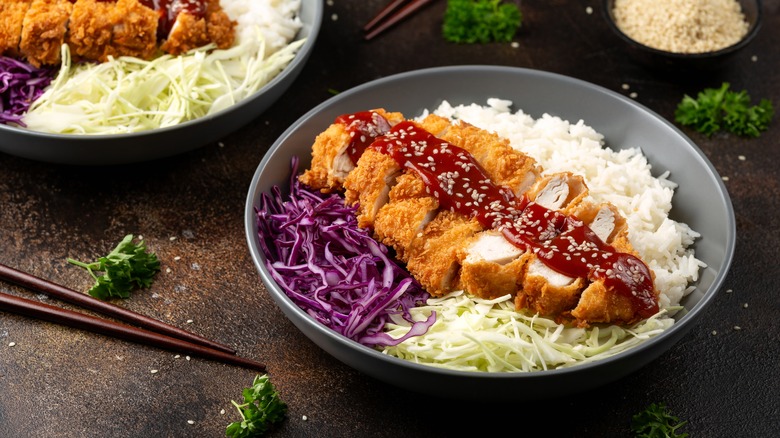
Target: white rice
{"x":277,"y":20}
{"x":623,"y":178}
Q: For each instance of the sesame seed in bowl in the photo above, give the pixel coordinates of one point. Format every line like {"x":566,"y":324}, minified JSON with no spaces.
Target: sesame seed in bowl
{"x":684,"y":35}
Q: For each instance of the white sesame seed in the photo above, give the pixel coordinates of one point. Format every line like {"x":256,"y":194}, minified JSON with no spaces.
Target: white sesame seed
{"x":190,"y":422}
{"x":334,"y":17}
{"x":736,"y":327}
{"x":222,"y":412}
{"x":172,"y":238}
{"x":515,"y":44}
{"x":625,"y":86}
{"x":741,"y":157}
{"x":189,"y":321}
{"x":187,"y":357}
{"x":714,"y":332}
{"x":589,"y":10}
{"x":304,"y":418}
{"x":744,"y":306}
{"x":724,"y":178}
{"x":754,"y":58}
{"x":155,"y":371}
{"x":11,"y":344}
{"x":633,"y":95}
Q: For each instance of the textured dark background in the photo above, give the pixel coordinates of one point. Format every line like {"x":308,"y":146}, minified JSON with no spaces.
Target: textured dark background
{"x":62,"y":382}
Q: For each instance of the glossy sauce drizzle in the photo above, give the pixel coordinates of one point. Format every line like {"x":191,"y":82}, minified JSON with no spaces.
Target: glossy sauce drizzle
{"x":363,"y":127}
{"x":169,"y":10}
{"x":564,"y":243}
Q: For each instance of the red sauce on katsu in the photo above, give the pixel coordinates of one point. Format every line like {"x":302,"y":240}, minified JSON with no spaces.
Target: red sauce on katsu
{"x":169,"y":10}
{"x":363,"y":127}
{"x":563,"y":243}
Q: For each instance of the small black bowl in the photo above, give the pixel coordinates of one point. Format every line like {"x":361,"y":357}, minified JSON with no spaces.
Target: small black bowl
{"x":687,"y":62}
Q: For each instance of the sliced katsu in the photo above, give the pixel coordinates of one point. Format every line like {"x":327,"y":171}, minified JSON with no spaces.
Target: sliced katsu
{"x":12,"y":13}
{"x":95,"y":30}
{"x":465,"y":210}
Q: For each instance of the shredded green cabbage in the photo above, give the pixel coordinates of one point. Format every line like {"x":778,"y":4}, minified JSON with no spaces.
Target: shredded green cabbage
{"x":126,"y":94}
{"x":473,"y":334}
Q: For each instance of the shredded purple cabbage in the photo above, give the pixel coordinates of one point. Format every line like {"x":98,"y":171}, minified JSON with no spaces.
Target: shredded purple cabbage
{"x":333,"y":269}
{"x":20,"y":85}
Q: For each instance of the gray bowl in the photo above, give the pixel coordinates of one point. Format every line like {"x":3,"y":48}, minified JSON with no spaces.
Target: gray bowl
{"x":164,"y":142}
{"x":701,"y":201}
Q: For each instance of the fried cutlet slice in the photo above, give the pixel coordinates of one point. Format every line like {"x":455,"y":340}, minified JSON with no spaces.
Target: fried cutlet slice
{"x":90,"y":30}
{"x":219,"y":27}
{"x":187,"y":32}
{"x":402,"y":220}
{"x":135,"y":30}
{"x":368,"y":185}
{"x":43,"y":31}
{"x":203,"y":24}
{"x":433,"y":257}
{"x":577,"y":300}
{"x":12,"y":13}
{"x":493,"y":267}
{"x":330,"y":162}
{"x":504,"y":164}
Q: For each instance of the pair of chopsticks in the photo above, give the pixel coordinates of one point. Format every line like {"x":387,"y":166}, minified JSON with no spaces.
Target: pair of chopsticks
{"x":145,"y":331}
{"x":391,"y":14}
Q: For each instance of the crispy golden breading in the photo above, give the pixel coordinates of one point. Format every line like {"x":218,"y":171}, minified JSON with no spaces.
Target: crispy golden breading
{"x":368,"y":185}
{"x":188,"y":32}
{"x":219,"y":26}
{"x":403,"y":218}
{"x":504,"y":164}
{"x":597,"y":304}
{"x":433,"y":258}
{"x":546,"y":292}
{"x":12,"y":13}
{"x":330,"y":163}
{"x":135,"y":30}
{"x":43,"y":32}
{"x":490,"y":279}
{"x":90,"y":30}
{"x":95,"y":30}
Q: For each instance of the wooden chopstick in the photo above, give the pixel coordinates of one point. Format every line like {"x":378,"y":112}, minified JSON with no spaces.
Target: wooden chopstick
{"x":37,"y":284}
{"x":391,"y":14}
{"x":70,"y":318}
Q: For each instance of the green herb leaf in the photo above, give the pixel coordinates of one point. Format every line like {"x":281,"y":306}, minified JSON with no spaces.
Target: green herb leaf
{"x":721,"y":109}
{"x":129,"y":266}
{"x":480,"y":21}
{"x":262,"y":408}
{"x":656,"y":422}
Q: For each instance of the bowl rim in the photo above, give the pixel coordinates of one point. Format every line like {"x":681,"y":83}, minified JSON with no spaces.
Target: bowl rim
{"x":747,"y":39}
{"x":654,"y":345}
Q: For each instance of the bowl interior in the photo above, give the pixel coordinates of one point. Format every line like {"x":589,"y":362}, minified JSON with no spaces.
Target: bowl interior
{"x":701,"y":201}
{"x":164,"y":142}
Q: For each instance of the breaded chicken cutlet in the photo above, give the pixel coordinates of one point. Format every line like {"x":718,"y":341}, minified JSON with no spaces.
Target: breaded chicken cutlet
{"x":464,"y":210}
{"x":35,"y":30}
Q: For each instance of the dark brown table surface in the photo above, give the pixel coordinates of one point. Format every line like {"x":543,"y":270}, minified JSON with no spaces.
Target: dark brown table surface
{"x":61,"y":382}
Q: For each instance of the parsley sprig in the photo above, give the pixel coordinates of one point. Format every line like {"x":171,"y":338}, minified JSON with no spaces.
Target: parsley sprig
{"x":656,"y":422}
{"x":262,"y":408}
{"x":722,"y":109}
{"x":480,"y":21}
{"x":127,"y":267}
